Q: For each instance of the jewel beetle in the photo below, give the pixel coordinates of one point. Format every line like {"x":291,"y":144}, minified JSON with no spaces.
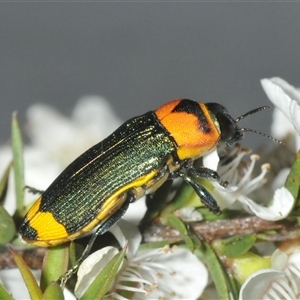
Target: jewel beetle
{"x":97,"y":187}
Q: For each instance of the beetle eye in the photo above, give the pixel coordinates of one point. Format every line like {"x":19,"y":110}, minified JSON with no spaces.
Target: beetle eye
{"x":229,"y":130}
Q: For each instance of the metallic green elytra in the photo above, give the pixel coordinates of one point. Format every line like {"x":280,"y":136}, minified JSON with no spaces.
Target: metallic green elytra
{"x":135,"y":152}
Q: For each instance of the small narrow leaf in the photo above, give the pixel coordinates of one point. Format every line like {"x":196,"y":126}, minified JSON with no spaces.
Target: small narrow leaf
{"x":293,"y":180}
{"x":181,"y":199}
{"x":53,"y":291}
{"x":75,"y":252}
{"x":103,"y":281}
{"x":18,"y":164}
{"x":234,"y":287}
{"x":4,"y":183}
{"x":176,"y":223}
{"x":7,"y":227}
{"x":217,"y":272}
{"x":55,"y":264}
{"x":236,"y":245}
{"x":196,"y":241}
{"x":29,"y":280}
{"x":4,"y":293}
{"x":160,"y":244}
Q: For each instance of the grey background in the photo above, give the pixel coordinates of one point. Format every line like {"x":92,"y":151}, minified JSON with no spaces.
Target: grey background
{"x":140,"y":55}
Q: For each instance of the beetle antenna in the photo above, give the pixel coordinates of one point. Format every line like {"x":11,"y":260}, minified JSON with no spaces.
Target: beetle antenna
{"x":251,"y":112}
{"x":263,"y":134}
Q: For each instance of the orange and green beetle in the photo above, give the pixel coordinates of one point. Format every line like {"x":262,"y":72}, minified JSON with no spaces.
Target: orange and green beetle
{"x":96,"y":188}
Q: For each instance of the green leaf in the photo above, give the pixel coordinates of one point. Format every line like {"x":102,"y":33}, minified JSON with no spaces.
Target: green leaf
{"x":4,"y":184}
{"x":4,"y":293}
{"x":75,"y":252}
{"x":29,"y":280}
{"x":102,"y":282}
{"x":176,"y":223}
{"x":160,"y":244}
{"x":181,"y":199}
{"x":7,"y":227}
{"x":236,"y":245}
{"x":18,"y":164}
{"x":293,"y":180}
{"x":196,"y":241}
{"x":234,"y":287}
{"x":53,"y":291}
{"x":216,"y":270}
{"x":55,"y":264}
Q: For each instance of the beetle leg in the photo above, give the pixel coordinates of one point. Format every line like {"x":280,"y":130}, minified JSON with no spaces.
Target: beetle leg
{"x":207,"y":173}
{"x":206,"y":198}
{"x":101,"y":229}
{"x":33,"y":190}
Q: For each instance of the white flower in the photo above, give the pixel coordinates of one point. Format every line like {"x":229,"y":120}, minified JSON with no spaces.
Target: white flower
{"x":241,"y":183}
{"x":65,"y":138}
{"x":157,"y":273}
{"x":287,"y":115}
{"x":281,"y":281}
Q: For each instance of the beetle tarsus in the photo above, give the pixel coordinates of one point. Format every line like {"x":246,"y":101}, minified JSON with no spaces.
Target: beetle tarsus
{"x":33,"y":190}
{"x":207,"y":173}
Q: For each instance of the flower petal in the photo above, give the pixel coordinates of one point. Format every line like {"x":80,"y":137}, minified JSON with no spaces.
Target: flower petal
{"x":127,"y":233}
{"x":211,"y":160}
{"x":91,"y":267}
{"x":291,"y":91}
{"x":285,"y":97}
{"x":258,"y":284}
{"x":280,"y":93}
{"x":279,"y":209}
{"x":225,"y":196}
{"x":279,"y":260}
{"x":136,"y":211}
{"x":187,"y":280}
{"x":295,"y":114}
{"x":281,"y":125}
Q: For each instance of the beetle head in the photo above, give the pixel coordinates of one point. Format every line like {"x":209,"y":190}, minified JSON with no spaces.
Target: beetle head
{"x":230,"y":131}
